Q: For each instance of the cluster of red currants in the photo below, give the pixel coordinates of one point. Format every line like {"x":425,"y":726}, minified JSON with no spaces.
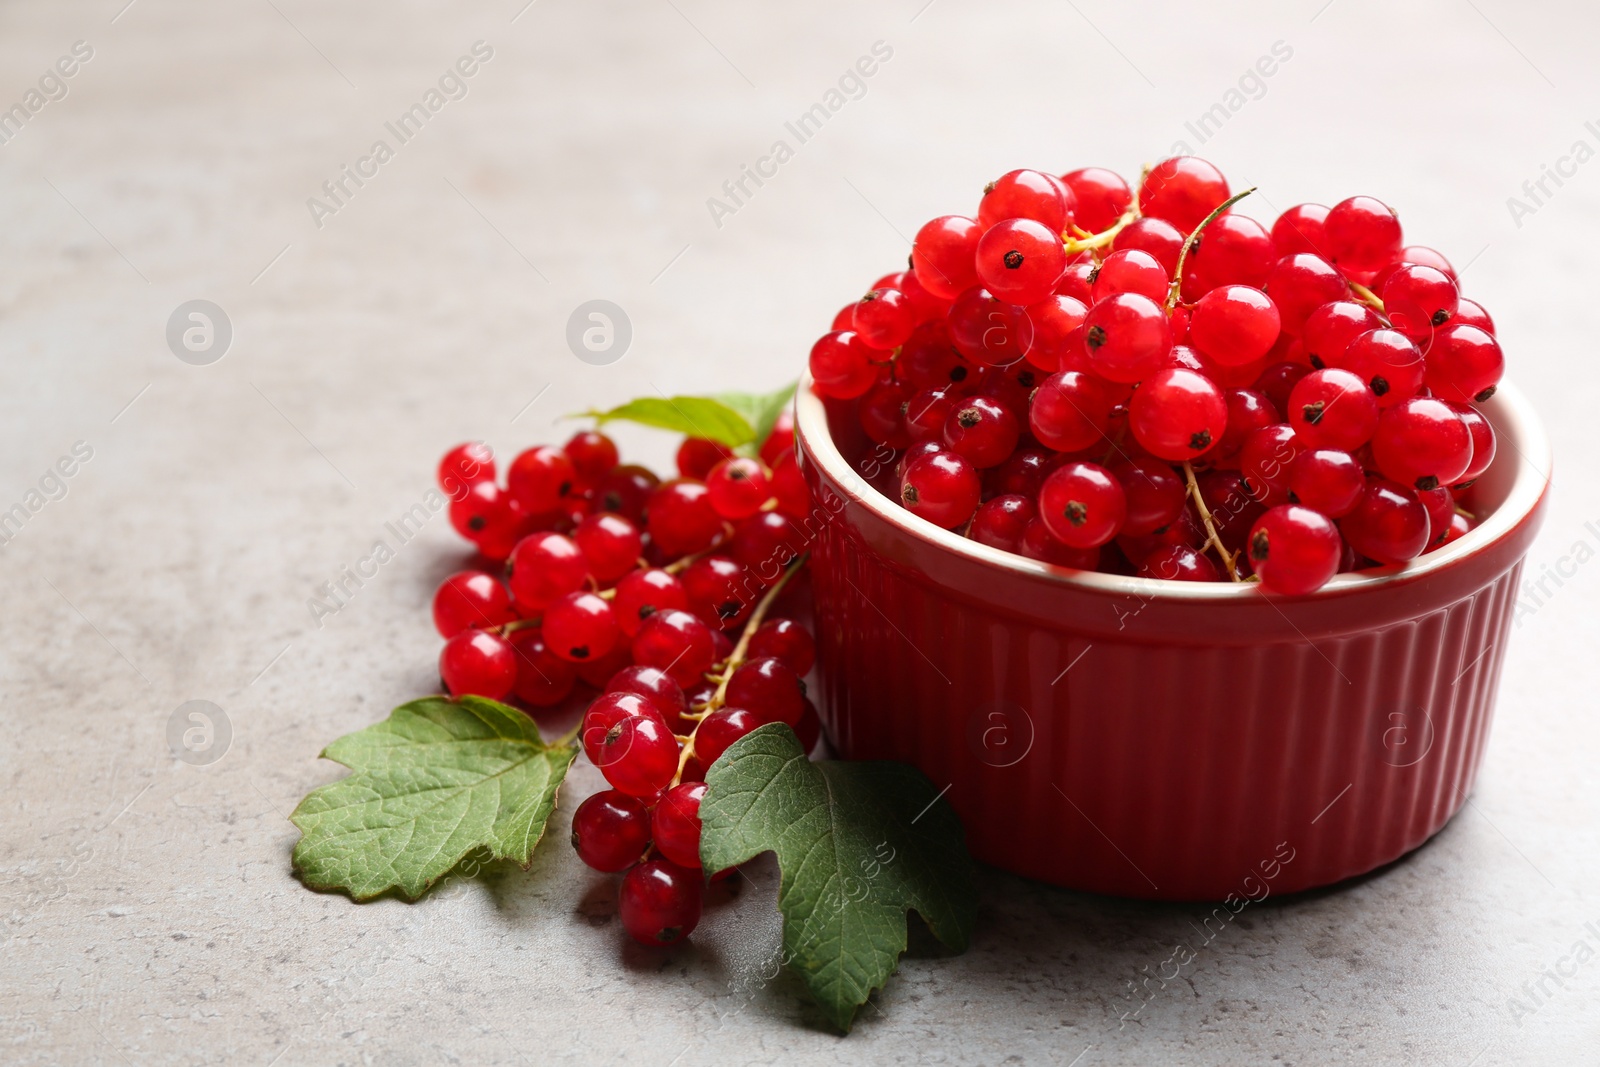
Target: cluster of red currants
{"x":1146,"y":382}
{"x":652,"y":603}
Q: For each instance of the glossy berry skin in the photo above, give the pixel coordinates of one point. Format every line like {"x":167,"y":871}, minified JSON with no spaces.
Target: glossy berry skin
{"x":1328,"y":480}
{"x":1279,"y":380}
{"x":644,"y":592}
{"x":1301,"y":283}
{"x":1179,"y":563}
{"x":1471,"y":313}
{"x":610,"y":831}
{"x":1419,"y":299}
{"x":1027,"y":194}
{"x":943,"y":253}
{"x":1234,"y":250}
{"x":1101,"y":195}
{"x":478,"y":663}
{"x":1422,"y":443}
{"x":676,"y":642}
{"x":657,"y":687}
{"x":1177,"y":414}
{"x":610,"y":545}
{"x":465,"y":466}
{"x":470,"y":599}
{"x":738,"y":487}
{"x":607,"y":711}
{"x":1388,"y":525}
{"x":1083,"y":505}
{"x":1128,"y":338}
{"x":682,"y":518}
{"x":720,"y":590}
{"x":593,"y":455}
{"x":721,"y":729}
{"x":541,"y":478}
{"x":660,"y":902}
{"x":1333,"y":408}
{"x":638,"y":755}
{"x":1464,"y":363}
{"x":545,"y":567}
{"x":1387,"y":361}
{"x":929,"y":359}
{"x":767,"y":542}
{"x":581,"y":627}
{"x":1294,"y":550}
{"x":1131,"y":271}
{"x":1001,"y":521}
{"x":1020,"y":261}
{"x":1300,"y":229}
{"x":1022,"y":472}
{"x":1248,"y":411}
{"x":841,"y":365}
{"x":941,"y":487}
{"x":882,"y":319}
{"x":626,"y":491}
{"x":1071,"y":410}
{"x":1182,"y":190}
{"x":1266,"y":460}
{"x":1157,"y":236}
{"x":1329,"y":330}
{"x":544,"y":679}
{"x":786,"y":641}
{"x":480,"y":506}
{"x":1154,"y":493}
{"x":696,"y":456}
{"x":1441,"y":507}
{"x":769,"y":688}
{"x":1234,"y":325}
{"x":989,"y":330}
{"x":982,"y":431}
{"x":1362,"y":234}
{"x":882,"y":412}
{"x":675,"y":824}
{"x":1483,"y":442}
{"x":1055,"y":323}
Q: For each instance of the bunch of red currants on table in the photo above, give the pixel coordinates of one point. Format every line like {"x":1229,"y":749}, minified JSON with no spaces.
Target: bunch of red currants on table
{"x":651,"y":602}
{"x":1149,"y":382}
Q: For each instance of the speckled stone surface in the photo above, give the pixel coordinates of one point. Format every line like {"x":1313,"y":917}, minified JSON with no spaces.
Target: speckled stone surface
{"x":150,"y":916}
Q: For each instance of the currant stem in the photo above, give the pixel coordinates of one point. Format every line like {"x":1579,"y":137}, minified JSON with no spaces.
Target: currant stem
{"x":515,"y":624}
{"x":734,"y":661}
{"x":1099,"y":240}
{"x":1368,"y":297}
{"x":1212,"y":537}
{"x":678,"y":566}
{"x":1194,"y":239}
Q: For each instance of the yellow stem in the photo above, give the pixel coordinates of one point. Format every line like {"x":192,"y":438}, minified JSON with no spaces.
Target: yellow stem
{"x":1194,"y":239}
{"x":1212,"y":537}
{"x":1075,"y":245}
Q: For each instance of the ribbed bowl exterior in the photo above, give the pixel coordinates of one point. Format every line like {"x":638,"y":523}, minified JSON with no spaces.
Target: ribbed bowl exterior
{"x":1106,"y":735}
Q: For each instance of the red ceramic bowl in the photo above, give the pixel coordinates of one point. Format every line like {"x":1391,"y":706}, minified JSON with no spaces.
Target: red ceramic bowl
{"x":1165,"y":740}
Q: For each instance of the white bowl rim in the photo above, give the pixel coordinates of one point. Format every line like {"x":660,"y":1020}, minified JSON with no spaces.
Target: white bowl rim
{"x":1517,"y":430}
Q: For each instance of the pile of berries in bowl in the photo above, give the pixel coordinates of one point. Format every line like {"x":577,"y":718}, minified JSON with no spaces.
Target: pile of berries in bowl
{"x":1155,"y":384}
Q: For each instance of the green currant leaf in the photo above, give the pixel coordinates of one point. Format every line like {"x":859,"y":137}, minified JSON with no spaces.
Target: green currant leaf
{"x":760,"y":410}
{"x":693,"y":416}
{"x":435,"y":780}
{"x":858,"y":845}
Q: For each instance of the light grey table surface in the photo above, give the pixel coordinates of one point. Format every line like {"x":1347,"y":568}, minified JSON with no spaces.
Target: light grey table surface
{"x":149,"y":913}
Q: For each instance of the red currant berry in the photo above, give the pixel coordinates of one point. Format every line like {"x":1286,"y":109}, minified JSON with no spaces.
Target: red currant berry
{"x":1082,"y":505}
{"x":1389,"y":525}
{"x":1234,"y":325}
{"x":676,"y":642}
{"x":882,"y":319}
{"x":1000,"y":521}
{"x":1022,"y":472}
{"x":656,"y":686}
{"x":1464,"y":363}
{"x":841,"y":365}
{"x":1179,"y":563}
{"x":1459,"y":526}
{"x":720,"y":591}
{"x":1328,"y":480}
{"x":696,"y":457}
{"x":1266,"y":460}
{"x":1177,"y":414}
{"x":1301,"y":283}
{"x":1102,"y":196}
{"x":543,"y":568}
{"x":941,"y":487}
{"x":767,"y":687}
{"x":767,"y":542}
{"x":611,"y":545}
{"x":1363,"y":234}
{"x":1156,"y":236}
{"x":610,"y":831}
{"x":738,"y":487}
{"x":580,"y":627}
{"x":1077,"y":281}
{"x":682,"y":518}
{"x":1441,"y":507}
{"x":1483,"y":443}
{"x":982,"y":431}
{"x":470,"y":599}
{"x":809,"y":731}
{"x":659,"y":902}
{"x":883,"y":414}
{"x":541,"y":478}
{"x":1387,"y":361}
{"x":643,"y":593}
{"x":779,"y":440}
{"x":925,"y":307}
{"x":592,"y":453}
{"x":1155,"y":494}
{"x":927,"y":412}
{"x":1233,"y":508}
{"x":989,"y":330}
{"x":638,"y":755}
{"x":1182,"y":190}
{"x":1131,"y":271}
{"x":1333,"y":408}
{"x":1233,"y":250}
{"x":789,"y":487}
{"x":626,"y":491}
{"x":544,"y":679}
{"x":1329,"y":330}
{"x":676,"y":824}
{"x":1020,"y":260}
{"x":943,"y":253}
{"x":1419,"y":300}
{"x":1056,"y":323}
{"x":786,"y":641}
{"x":477,"y":508}
{"x":929,"y":359}
{"x":465,"y":466}
{"x":1471,"y":313}
{"x":1300,"y":230}
{"x":1027,"y":194}
{"x":1279,"y":380}
{"x":1072,"y":410}
{"x":607,"y":711}
{"x":1127,"y":337}
{"x":1422,"y":442}
{"x":1248,"y":411}
{"x":1185,"y":530}
{"x":1294,"y":550}
{"x":479,"y":663}
{"x":719,"y":730}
